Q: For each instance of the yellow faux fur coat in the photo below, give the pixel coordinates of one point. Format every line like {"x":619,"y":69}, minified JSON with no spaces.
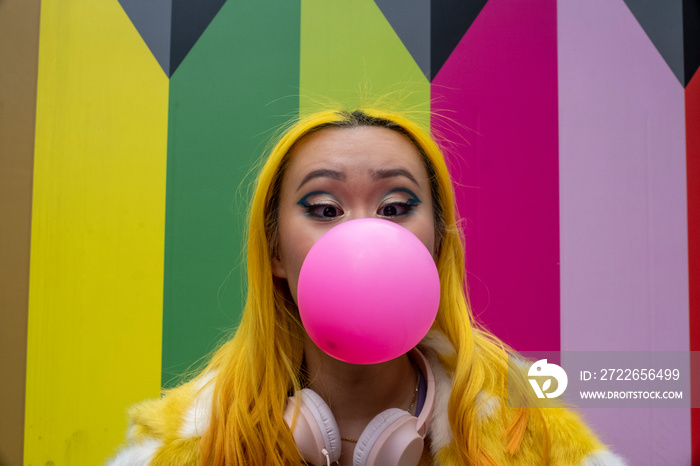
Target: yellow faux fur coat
{"x":167,"y":431}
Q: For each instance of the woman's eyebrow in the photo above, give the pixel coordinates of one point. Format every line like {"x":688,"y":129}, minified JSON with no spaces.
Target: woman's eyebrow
{"x":391,"y":172}
{"x":336,"y":175}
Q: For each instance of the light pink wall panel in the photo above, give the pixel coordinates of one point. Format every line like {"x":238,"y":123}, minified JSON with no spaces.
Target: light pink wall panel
{"x":624,"y":270}
{"x":496,"y":102}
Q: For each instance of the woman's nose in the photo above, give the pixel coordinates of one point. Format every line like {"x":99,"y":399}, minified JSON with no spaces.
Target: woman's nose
{"x":364,"y":212}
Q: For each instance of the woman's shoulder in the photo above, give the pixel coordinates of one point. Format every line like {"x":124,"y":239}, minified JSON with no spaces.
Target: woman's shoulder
{"x":170,"y":427}
{"x":560,"y":434}
{"x":561,"y":431}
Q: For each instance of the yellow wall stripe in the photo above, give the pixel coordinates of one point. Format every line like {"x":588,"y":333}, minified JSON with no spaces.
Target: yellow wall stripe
{"x":95,"y":297}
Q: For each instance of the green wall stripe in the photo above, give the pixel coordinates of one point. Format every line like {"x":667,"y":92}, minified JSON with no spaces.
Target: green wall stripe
{"x":350,"y":55}
{"x":237,"y":85}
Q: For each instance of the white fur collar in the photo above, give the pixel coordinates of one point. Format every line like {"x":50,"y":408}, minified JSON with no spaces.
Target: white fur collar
{"x":197,"y":417}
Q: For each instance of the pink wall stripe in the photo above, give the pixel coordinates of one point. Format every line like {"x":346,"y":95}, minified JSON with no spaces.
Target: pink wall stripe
{"x":496,"y":98}
{"x":624,"y":277}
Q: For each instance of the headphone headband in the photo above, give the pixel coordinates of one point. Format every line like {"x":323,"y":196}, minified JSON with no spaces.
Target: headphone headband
{"x":427,"y":410}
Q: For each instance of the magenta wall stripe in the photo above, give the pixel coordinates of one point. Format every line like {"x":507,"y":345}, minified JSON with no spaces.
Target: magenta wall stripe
{"x":496,"y":100}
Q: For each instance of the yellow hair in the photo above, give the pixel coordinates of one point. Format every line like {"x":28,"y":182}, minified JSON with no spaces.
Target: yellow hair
{"x":261,"y":364}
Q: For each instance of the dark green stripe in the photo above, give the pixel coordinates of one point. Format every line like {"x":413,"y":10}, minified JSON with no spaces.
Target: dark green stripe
{"x":238,"y":83}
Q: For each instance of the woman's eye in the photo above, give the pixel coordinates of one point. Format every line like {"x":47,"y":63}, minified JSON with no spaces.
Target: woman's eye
{"x":395,"y":209}
{"x":324,"y":211}
{"x":330,"y":211}
{"x":389,"y":211}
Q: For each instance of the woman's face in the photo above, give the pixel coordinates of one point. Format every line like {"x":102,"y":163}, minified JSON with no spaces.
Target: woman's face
{"x":340,"y":174}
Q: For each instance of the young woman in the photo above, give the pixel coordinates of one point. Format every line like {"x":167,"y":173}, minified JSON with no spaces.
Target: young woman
{"x":329,"y":168}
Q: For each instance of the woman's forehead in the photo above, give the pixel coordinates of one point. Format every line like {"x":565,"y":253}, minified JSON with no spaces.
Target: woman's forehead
{"x":360,"y":148}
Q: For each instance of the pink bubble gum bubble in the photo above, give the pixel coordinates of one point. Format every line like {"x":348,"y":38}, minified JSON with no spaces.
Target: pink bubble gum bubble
{"x":368,"y":291}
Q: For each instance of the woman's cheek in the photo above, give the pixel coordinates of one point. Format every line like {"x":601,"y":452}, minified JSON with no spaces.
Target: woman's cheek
{"x":298,"y":254}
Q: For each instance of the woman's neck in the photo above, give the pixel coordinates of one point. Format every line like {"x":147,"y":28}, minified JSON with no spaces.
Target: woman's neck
{"x":357,"y":393}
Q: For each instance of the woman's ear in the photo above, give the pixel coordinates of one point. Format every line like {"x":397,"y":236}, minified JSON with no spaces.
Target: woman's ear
{"x":278,"y":269}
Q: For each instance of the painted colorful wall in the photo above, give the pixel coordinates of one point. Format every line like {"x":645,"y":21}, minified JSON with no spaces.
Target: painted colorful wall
{"x":572,"y":130}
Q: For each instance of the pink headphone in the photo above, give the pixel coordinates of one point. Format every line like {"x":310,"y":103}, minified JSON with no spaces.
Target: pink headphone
{"x":393,"y":437}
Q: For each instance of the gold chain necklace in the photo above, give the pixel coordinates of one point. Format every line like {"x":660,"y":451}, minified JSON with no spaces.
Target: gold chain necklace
{"x":410,"y":407}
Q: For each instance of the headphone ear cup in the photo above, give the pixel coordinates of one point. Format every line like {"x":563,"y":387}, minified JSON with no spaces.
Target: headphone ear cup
{"x":369,"y":444}
{"x":315,"y":429}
